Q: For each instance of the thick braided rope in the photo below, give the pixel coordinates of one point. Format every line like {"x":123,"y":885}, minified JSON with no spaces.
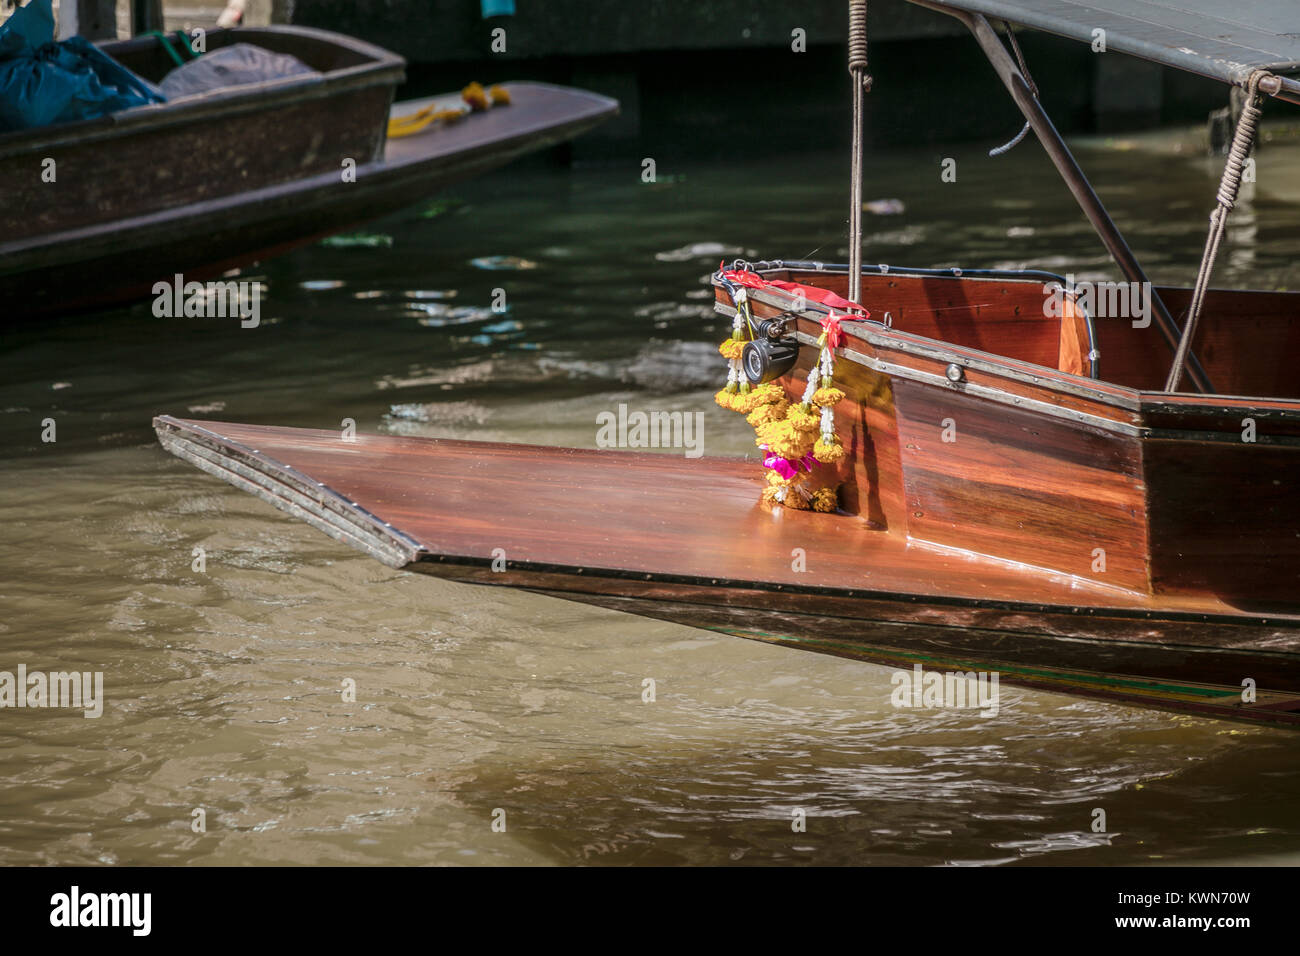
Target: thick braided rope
{"x":1229,"y":186}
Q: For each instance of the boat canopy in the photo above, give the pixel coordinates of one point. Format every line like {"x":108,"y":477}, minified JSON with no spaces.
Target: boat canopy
{"x":1223,"y":40}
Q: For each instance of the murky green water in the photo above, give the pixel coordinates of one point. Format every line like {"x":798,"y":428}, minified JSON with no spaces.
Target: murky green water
{"x":223,"y":688}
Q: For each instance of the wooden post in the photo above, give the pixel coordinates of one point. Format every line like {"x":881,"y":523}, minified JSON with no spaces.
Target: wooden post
{"x":146,"y":15}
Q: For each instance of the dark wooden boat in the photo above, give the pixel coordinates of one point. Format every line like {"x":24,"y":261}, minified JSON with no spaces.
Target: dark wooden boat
{"x":1021,"y":489}
{"x":208,"y":183}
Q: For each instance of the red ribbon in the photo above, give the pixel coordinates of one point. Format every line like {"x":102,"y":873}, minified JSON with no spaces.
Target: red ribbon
{"x":834,"y":334}
{"x":825,"y":297}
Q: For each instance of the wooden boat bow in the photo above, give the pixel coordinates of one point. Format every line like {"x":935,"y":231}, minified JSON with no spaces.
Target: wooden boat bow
{"x":640,"y":532}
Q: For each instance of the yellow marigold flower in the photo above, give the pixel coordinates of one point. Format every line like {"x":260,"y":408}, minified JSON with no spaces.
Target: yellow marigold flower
{"x":731,"y":348}
{"x":499,"y":95}
{"x":475,"y":96}
{"x":744,"y":402}
{"x":723,"y":398}
{"x":767,"y":413}
{"x":803,"y":419}
{"x":827,"y":397}
{"x":769,"y":393}
{"x":776,"y":432}
{"x":793,"y":498}
{"x":825,"y":499}
{"x":792,"y":449}
{"x":828,"y":453}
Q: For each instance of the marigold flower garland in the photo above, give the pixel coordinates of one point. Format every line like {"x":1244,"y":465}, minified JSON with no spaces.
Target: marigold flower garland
{"x":796,"y":436}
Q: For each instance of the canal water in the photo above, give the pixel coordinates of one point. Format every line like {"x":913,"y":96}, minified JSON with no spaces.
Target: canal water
{"x":479,"y":705}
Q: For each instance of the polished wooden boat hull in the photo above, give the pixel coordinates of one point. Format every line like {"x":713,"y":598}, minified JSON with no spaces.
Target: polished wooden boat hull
{"x":688,"y":542}
{"x":1103,"y":480}
{"x":201,"y":186}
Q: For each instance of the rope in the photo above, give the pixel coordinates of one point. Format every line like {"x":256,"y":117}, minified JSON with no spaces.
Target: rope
{"x":184,"y":40}
{"x":413,"y":123}
{"x":1229,"y":186}
{"x":166,"y":45}
{"x":1011,"y":144}
{"x":861,"y":83}
{"x":1033,"y":89}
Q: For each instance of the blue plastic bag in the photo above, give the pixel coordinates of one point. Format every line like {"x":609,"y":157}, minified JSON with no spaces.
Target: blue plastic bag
{"x":43,"y":82}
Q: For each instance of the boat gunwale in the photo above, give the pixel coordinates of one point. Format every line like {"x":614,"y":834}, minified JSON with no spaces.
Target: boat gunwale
{"x":1123,"y":397}
{"x":384,"y":69}
{"x":877,"y":335}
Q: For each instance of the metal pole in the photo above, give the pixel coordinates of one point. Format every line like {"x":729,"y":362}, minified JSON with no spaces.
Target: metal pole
{"x":858,"y":71}
{"x":1074,"y":177}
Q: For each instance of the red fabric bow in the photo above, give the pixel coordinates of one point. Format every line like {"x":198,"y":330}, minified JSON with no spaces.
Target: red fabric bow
{"x":831,"y":326}
{"x":825,"y":297}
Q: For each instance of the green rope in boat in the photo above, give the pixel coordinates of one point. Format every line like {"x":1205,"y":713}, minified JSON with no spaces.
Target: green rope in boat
{"x":181,"y":38}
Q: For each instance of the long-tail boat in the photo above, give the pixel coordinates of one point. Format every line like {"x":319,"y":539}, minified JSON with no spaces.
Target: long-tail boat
{"x":970,"y":470}
{"x":214,"y":181}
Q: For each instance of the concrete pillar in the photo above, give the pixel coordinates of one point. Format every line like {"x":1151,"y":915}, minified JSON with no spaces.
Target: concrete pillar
{"x":92,"y":19}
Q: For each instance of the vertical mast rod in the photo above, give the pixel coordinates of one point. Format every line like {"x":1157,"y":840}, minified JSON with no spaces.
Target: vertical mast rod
{"x":861,"y":83}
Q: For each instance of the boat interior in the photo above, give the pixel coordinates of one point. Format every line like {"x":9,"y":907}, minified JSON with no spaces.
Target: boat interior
{"x":146,"y":55}
{"x":1246,"y":340}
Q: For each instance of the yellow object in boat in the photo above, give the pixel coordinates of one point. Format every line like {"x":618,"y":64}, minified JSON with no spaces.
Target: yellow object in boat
{"x":476,"y":98}
{"x":414,"y":122}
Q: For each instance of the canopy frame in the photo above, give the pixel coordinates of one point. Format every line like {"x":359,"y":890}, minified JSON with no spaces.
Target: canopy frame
{"x":1194,"y":37}
{"x":1068,"y":167}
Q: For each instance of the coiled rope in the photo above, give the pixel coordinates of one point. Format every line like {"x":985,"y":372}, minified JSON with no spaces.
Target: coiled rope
{"x":1229,"y":186}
